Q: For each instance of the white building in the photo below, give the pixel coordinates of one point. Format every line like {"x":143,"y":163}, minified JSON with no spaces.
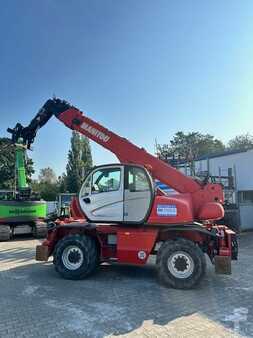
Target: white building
{"x":238,"y":164}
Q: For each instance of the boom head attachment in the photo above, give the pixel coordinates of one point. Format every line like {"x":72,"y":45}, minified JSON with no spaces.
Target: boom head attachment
{"x":27,"y":134}
{"x":19,"y":133}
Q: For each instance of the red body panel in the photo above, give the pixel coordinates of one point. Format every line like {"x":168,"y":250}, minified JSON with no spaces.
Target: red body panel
{"x":225,"y":242}
{"x":75,"y":209}
{"x":135,"y":245}
{"x":211,"y":211}
{"x":181,"y":210}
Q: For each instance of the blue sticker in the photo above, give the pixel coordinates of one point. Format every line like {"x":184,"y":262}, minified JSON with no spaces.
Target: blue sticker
{"x":167,"y":210}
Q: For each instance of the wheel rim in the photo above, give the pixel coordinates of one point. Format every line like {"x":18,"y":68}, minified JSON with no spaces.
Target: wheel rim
{"x":72,"y":257}
{"x":180,"y":264}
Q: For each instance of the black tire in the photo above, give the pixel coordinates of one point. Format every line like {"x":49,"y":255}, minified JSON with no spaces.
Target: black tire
{"x":5,"y":233}
{"x":181,"y":264}
{"x":85,"y":255}
{"x":39,"y":230}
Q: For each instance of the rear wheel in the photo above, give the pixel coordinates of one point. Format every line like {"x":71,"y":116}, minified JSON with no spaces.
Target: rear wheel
{"x":76,"y":256}
{"x":181,"y":264}
{"x":5,"y":233}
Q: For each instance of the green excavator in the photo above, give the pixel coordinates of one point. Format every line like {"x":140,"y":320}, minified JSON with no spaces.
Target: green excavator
{"x":21,"y":211}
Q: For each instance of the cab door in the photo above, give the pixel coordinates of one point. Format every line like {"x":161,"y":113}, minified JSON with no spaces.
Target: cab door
{"x":138,"y":194}
{"x":101,"y":197}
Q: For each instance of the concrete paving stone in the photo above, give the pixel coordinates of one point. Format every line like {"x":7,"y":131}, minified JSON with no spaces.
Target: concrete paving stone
{"x":120,"y":301}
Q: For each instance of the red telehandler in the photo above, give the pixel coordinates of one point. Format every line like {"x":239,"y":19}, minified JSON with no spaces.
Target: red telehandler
{"x":120,"y":216}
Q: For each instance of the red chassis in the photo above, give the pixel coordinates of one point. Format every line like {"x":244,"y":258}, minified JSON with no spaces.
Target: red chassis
{"x":133,"y":245}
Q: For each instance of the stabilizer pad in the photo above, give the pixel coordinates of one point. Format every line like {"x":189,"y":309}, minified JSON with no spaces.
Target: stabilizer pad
{"x":222,"y":265}
{"x":41,"y":253}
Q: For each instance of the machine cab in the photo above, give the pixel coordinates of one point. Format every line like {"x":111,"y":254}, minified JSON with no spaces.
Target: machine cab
{"x":117,"y":193}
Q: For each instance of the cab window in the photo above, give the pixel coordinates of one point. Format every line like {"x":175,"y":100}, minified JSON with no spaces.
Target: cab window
{"x":106,"y":180}
{"x":137,"y":180}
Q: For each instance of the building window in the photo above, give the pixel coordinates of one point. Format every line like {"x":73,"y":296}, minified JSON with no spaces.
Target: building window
{"x":245,"y":197}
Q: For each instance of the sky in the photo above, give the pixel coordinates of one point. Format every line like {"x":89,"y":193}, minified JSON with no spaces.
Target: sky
{"x":144,"y":69}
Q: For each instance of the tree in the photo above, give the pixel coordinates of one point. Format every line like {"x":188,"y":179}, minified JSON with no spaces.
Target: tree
{"x":79,"y":162}
{"x":62,"y":183}
{"x":47,"y":184}
{"x":47,"y":175}
{"x":46,"y":190}
{"x":7,"y":165}
{"x":188,"y":147}
{"x":241,"y":142}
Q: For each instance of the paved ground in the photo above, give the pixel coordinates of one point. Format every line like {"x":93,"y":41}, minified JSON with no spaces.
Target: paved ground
{"x":120,"y":300}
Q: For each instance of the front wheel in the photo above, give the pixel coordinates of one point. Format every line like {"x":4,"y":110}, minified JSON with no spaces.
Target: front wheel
{"x":76,"y":256}
{"x":181,"y":264}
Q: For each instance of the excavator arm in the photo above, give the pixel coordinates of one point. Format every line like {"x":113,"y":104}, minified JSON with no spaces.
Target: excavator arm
{"x":125,"y":151}
{"x":28,"y":134}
